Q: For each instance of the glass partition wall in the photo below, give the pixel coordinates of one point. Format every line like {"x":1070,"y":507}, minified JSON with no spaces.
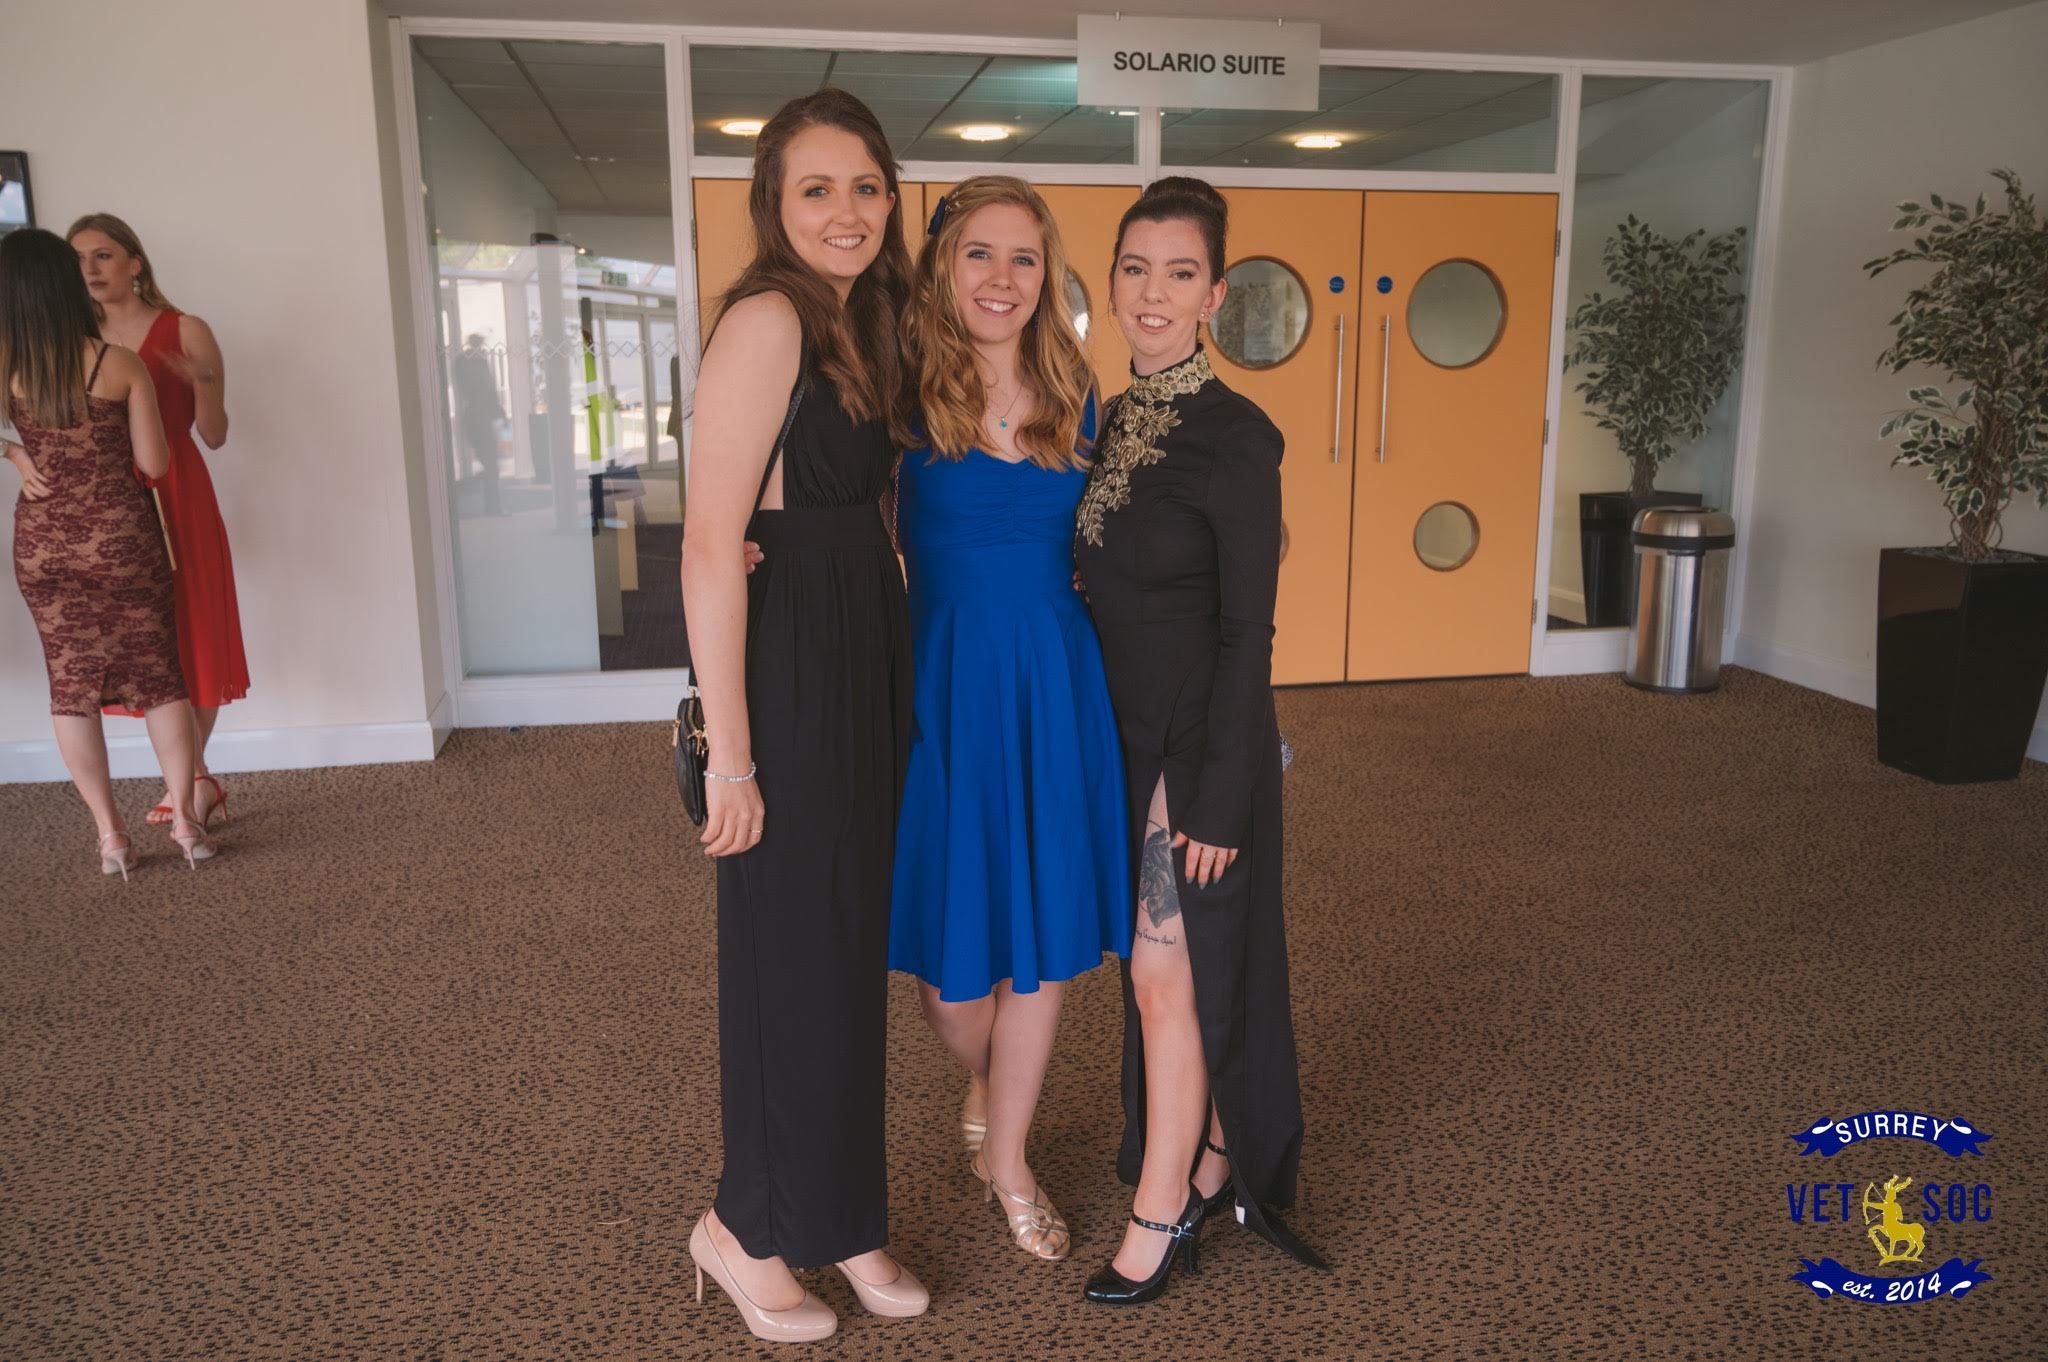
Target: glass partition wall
{"x":1658,"y":161}
{"x":545,"y":167}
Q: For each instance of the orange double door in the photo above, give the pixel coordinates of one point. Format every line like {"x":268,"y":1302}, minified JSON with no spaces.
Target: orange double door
{"x":1401,"y":343}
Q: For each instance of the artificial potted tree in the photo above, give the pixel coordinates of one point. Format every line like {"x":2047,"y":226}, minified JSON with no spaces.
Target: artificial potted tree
{"x":1659,"y":353}
{"x":1962,"y":632}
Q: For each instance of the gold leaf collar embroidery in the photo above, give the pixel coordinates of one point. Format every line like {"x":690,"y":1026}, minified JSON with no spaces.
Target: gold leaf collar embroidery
{"x":1138,"y":422}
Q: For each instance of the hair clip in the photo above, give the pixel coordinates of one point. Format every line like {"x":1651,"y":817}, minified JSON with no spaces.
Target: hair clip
{"x":939,"y":215}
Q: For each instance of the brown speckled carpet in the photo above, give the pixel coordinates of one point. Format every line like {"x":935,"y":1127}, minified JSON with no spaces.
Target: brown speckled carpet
{"x":422,"y":1067}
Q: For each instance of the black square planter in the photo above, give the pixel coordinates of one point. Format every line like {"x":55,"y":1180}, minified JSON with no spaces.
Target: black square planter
{"x":1962,"y":655}
{"x":1607,"y":558}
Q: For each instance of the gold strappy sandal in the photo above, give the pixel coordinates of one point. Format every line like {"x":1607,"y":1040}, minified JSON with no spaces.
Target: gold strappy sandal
{"x":1038,"y":1228}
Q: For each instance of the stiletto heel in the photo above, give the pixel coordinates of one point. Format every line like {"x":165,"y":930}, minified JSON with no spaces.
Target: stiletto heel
{"x":1110,"y":1287}
{"x":192,"y":840}
{"x":218,"y":806}
{"x":805,"y":1322}
{"x":974,"y":1115}
{"x":1038,"y":1229}
{"x":121,"y":859}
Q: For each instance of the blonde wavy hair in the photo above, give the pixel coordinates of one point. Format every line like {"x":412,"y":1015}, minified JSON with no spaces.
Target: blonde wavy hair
{"x":945,"y":384}
{"x":124,"y":236}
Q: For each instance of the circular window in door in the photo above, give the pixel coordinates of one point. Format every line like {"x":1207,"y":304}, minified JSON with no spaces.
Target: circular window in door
{"x":1264,"y":317}
{"x":1456,"y":314}
{"x":1446,"y":536}
{"x":1077,"y":302}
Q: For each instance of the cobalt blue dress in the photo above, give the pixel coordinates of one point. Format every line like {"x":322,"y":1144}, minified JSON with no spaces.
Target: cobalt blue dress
{"x":1012,"y":850}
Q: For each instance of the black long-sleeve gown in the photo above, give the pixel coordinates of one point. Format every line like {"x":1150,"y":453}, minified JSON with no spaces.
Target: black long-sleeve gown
{"x":1178,"y":541}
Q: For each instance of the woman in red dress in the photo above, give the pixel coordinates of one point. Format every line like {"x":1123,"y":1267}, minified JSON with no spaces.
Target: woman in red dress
{"x":191,"y":388}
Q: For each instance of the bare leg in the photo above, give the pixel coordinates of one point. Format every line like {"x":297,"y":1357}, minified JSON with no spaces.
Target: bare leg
{"x":1176,"y":1077}
{"x":966,"y":1028}
{"x":83,"y":744}
{"x":174,"y":736}
{"x":204,"y":718}
{"x":1018,"y":1054}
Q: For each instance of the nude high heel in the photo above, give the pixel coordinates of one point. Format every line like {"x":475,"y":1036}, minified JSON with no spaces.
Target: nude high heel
{"x":900,"y":1298}
{"x":117,"y":860}
{"x":805,"y":1322}
{"x":192,"y":840}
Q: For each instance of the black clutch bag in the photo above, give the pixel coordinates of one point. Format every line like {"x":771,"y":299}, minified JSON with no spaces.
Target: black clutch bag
{"x":686,"y":738}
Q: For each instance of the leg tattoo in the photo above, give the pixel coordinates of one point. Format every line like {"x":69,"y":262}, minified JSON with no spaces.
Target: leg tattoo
{"x":1157,"y":894}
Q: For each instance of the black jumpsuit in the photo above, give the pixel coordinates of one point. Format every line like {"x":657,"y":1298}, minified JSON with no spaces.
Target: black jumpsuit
{"x":803,"y":918}
{"x":1178,"y":541}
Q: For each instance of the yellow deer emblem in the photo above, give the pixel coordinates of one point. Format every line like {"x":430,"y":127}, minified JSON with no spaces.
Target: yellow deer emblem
{"x":1894,"y":1229}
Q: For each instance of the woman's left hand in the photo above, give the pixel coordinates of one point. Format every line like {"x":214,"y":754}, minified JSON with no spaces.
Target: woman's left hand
{"x":191,"y":370}
{"x":1206,"y":864}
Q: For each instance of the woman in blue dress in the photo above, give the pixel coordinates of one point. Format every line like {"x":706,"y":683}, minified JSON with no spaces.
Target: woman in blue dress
{"x":1012,"y":867}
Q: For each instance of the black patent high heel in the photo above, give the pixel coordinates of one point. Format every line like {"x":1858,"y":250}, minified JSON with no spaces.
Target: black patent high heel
{"x":1110,"y":1287}
{"x":1224,"y":1197}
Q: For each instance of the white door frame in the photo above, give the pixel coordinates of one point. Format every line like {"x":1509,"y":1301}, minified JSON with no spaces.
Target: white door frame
{"x":597,"y":697}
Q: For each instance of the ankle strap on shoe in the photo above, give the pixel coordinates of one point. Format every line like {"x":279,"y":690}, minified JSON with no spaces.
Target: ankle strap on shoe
{"x":1171,"y":1231}
{"x":1213,"y":1147}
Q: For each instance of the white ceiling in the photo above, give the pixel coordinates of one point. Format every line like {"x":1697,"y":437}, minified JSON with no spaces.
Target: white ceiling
{"x":1770,"y":32}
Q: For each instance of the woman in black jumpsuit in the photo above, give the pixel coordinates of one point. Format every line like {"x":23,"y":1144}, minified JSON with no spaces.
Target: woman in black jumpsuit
{"x":1178,"y":544}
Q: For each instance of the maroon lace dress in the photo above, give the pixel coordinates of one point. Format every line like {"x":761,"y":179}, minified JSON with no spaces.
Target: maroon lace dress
{"x":91,"y":563}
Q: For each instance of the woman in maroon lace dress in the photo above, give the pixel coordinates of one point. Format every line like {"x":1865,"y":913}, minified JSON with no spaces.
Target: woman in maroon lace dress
{"x":88,"y":549}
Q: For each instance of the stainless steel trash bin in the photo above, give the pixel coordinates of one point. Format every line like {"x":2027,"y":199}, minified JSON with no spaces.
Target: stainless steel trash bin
{"x":1681,"y":597}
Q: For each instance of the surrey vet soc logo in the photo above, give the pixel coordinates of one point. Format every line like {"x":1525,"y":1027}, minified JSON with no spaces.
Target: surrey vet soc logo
{"x":1899,"y":1223}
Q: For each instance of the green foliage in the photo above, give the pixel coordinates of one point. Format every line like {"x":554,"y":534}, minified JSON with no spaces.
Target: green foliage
{"x":1982,"y":319}
{"x":1662,"y":350}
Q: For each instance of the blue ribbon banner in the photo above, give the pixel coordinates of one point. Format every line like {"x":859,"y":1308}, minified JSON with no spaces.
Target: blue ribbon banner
{"x":1830,"y":1278}
{"x":1954,"y":1138}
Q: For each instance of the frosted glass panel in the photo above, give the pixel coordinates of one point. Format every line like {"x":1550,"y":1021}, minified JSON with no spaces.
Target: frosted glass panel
{"x":547,"y":196}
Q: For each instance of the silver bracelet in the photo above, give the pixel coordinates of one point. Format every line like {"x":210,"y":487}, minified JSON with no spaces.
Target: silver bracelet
{"x":752,"y":767}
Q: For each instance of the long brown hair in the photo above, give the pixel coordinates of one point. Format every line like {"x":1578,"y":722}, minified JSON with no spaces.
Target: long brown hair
{"x":46,"y":323}
{"x":123,"y":236}
{"x":855,"y":344}
{"x":949,"y":392}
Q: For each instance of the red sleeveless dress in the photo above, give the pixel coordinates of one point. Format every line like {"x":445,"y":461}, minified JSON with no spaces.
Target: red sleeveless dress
{"x":209,"y":623}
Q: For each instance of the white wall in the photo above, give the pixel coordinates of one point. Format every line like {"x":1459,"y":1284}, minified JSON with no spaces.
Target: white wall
{"x":244,"y":150}
{"x":1870,"y":128}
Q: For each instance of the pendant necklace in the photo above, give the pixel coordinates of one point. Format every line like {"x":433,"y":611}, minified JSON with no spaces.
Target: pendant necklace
{"x":1003,"y":421}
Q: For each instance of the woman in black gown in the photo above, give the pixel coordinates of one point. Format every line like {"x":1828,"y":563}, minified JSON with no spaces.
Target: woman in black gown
{"x":804,"y":672}
{"x":1178,"y":543}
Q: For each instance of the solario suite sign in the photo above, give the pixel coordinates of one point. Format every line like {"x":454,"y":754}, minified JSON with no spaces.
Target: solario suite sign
{"x":1199,"y":63}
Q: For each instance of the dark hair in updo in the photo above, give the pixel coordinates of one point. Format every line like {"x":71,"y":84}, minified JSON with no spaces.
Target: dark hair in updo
{"x":1182,"y":198}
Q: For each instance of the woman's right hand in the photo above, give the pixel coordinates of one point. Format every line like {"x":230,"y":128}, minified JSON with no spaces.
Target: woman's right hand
{"x":732,"y":816}
{"x":33,"y":485}
{"x":751,"y":555}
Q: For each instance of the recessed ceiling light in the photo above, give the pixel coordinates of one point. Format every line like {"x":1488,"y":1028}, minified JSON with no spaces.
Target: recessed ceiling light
{"x":741,"y":127}
{"x":1125,"y":113}
{"x":984,"y":132}
{"x":1319,"y":141}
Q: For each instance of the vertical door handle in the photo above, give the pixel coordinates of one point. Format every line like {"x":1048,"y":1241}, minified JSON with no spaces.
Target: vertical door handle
{"x":1386,"y":358}
{"x":1337,"y":426}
